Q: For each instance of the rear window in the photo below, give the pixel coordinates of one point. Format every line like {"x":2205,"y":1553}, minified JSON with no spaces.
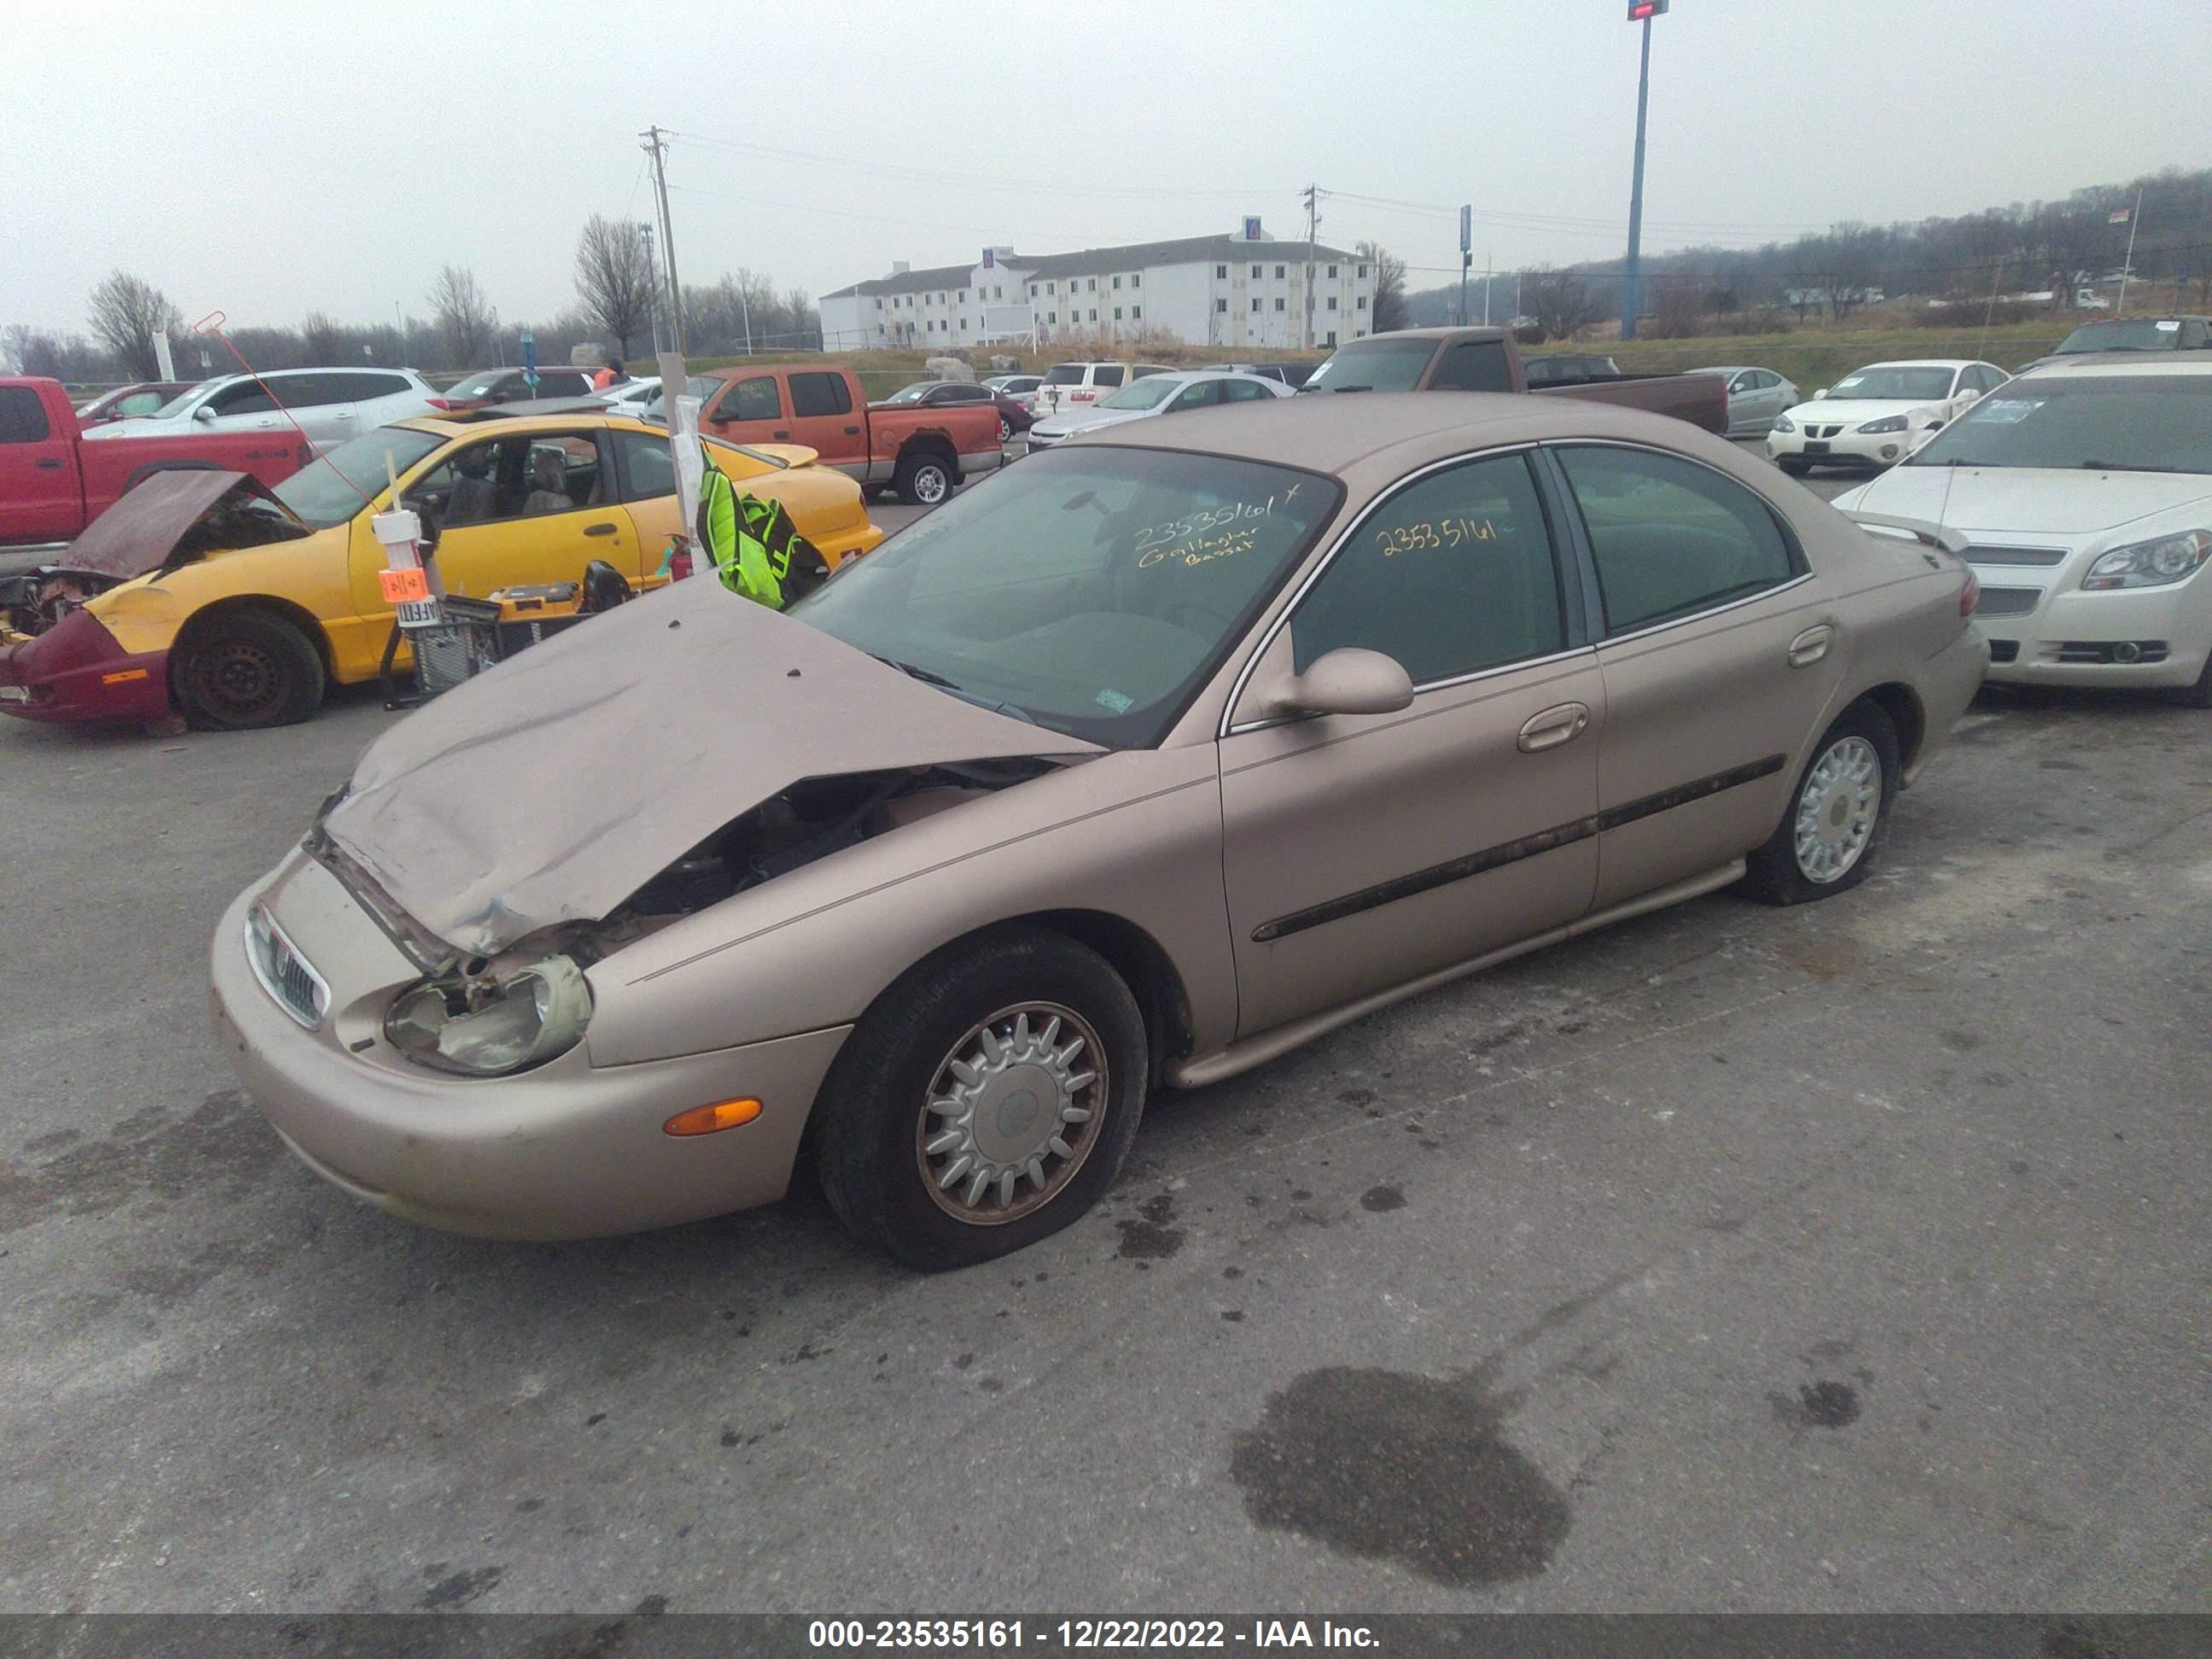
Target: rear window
{"x":1473,"y":366}
{"x":1064,"y":374}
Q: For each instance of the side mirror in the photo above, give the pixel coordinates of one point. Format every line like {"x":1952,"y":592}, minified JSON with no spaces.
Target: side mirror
{"x":1346,"y":681}
{"x":1821,"y":393}
{"x":204,"y":412}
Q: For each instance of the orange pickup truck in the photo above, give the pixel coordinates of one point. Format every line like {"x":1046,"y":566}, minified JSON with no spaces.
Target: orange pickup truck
{"x":922,"y":451}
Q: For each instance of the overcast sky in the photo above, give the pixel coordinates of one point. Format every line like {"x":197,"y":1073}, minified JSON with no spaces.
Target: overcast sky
{"x":272,"y":159}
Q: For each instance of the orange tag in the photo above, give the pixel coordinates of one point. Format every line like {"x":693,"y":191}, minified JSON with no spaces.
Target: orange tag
{"x":401,"y":586}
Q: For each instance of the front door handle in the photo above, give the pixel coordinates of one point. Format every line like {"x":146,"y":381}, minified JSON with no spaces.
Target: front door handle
{"x":1555,"y":726}
{"x":783,"y":434}
{"x":1809,"y":646}
{"x":599,"y":530}
{"x":49,"y":465}
{"x":851,"y":432}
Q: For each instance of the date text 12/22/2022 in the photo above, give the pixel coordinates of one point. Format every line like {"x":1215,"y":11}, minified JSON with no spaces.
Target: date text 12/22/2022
{"x":1082,"y":1635}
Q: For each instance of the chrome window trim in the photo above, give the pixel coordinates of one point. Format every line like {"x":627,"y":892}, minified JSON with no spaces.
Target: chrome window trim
{"x":1224,"y":728}
{"x":1714,"y":611}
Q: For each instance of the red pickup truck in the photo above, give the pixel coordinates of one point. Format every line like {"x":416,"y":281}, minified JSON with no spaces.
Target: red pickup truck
{"x":920,"y":450}
{"x":51,"y":485}
{"x":1487,"y":360}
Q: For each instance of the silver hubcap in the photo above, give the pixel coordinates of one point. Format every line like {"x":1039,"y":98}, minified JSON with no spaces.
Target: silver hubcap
{"x":1011,"y":1113}
{"x":929,"y":484}
{"x":1837,"y":811}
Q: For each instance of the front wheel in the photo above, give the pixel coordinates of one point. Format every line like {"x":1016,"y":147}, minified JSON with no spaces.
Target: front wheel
{"x":246,"y":669}
{"x":923,"y":480}
{"x":1827,"y":839}
{"x":985,"y":1102}
{"x":1005,"y":430}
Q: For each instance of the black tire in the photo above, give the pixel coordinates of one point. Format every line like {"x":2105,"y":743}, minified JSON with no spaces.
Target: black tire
{"x":244,"y":669}
{"x":923,"y":479}
{"x":1776,"y":873}
{"x":2198,"y":695}
{"x":1795,"y":469}
{"x":877,"y":1121}
{"x":1006,"y":432}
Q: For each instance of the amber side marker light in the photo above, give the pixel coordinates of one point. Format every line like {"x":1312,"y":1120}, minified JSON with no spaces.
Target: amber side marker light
{"x":127,"y":674}
{"x":707,"y":1120}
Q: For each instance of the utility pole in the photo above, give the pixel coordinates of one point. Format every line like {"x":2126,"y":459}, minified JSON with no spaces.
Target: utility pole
{"x":1467,"y":261}
{"x":1639,"y":11}
{"x":657,"y":148}
{"x":1485,"y":290}
{"x":1312,"y":225}
{"x":645,"y":229}
{"x":2128,"y":259}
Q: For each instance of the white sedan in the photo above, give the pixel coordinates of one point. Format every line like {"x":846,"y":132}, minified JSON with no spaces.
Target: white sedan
{"x":1156,"y":394}
{"x":2083,"y":492}
{"x":1876,"y":415}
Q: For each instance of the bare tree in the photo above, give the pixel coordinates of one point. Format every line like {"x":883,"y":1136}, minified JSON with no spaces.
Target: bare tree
{"x":1559,"y":301}
{"x":1389,"y":302}
{"x":323,"y":335}
{"x":127,"y":313}
{"x":463,"y":321}
{"x":614,"y":277}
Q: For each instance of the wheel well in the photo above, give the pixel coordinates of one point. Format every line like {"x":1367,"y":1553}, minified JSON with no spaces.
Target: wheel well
{"x":1143,"y":967}
{"x":931,"y":446}
{"x":298,"y":615}
{"x":1904,"y":713}
{"x":152,"y":467}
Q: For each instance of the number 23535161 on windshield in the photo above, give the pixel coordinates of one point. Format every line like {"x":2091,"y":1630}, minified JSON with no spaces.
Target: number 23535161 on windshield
{"x":1434,"y":532}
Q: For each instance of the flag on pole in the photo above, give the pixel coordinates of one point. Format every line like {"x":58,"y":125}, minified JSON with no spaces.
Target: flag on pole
{"x":2117,"y":216}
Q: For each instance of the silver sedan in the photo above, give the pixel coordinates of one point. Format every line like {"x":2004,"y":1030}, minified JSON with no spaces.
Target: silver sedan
{"x":1755,"y":396}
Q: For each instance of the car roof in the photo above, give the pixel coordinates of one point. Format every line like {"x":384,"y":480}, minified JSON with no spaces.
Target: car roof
{"x":1330,"y":432}
{"x":540,"y":415}
{"x":2105,"y":365}
{"x":1919,"y":362}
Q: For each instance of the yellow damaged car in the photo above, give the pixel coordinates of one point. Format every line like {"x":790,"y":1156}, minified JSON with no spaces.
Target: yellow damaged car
{"x":252,"y":630}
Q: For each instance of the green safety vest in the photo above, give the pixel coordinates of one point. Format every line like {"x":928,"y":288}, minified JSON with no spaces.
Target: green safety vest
{"x":755,"y":550}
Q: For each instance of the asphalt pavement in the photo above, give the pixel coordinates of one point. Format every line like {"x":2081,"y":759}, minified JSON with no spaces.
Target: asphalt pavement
{"x":1853,"y":1256}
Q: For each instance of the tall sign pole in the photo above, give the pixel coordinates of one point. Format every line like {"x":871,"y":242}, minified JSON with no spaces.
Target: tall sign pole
{"x":656,"y":147}
{"x":1639,"y":11}
{"x":1313,"y":224}
{"x":1466,"y":259}
{"x":2128,"y":259}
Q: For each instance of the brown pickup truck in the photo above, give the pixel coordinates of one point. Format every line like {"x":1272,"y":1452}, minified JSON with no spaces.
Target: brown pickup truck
{"x":922,"y":451}
{"x":1487,"y":359}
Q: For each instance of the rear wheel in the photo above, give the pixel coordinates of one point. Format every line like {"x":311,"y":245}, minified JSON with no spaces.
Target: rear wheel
{"x":246,"y":669}
{"x":1827,"y":839}
{"x":1005,"y":430}
{"x":985,"y":1102}
{"x":923,"y":480}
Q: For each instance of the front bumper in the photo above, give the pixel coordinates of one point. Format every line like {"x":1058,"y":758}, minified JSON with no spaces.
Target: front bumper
{"x":1849,"y":447}
{"x":76,"y":670}
{"x":567,"y":1150}
{"x":2070,"y":638}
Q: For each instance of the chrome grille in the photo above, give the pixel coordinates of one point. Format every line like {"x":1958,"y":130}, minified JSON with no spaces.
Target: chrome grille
{"x":2035,"y":556}
{"x":2007,"y":601}
{"x":292,"y":983}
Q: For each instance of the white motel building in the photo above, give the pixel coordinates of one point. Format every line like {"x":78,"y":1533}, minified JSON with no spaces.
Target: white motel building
{"x":1244,"y":290}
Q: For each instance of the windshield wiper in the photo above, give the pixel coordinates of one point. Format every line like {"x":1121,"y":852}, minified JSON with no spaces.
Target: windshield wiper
{"x":921,"y":674}
{"x":2115,"y":466}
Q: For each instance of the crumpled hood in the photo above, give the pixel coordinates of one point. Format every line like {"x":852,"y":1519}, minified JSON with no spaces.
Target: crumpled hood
{"x":2022,"y":503}
{"x":1857,"y":411}
{"x":555,"y":785}
{"x":141,"y":530}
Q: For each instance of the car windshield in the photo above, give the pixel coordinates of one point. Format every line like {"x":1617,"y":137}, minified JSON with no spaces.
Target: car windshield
{"x":2121,"y":423}
{"x":911,"y":394}
{"x":478,"y":386}
{"x":2138,"y":334}
{"x":1148,"y":393}
{"x":1090,"y":591}
{"x":1892,"y":384}
{"x":337,"y":485}
{"x":176,"y":405}
{"x":1373,"y":366}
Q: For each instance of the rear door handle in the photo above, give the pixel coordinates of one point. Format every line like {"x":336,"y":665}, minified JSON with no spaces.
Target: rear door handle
{"x":1555,"y":726}
{"x":783,"y":434}
{"x":1809,"y":646}
{"x":599,"y":530}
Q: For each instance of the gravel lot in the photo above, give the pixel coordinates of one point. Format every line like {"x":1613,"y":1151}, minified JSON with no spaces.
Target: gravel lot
{"x":1849,"y":1257}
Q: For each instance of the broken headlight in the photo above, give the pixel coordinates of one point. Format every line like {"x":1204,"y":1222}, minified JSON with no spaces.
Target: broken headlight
{"x":488,"y":1029}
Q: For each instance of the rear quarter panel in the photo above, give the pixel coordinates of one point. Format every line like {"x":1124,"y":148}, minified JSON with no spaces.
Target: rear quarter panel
{"x":112,"y":466}
{"x":1700,"y":399}
{"x":966,"y":428}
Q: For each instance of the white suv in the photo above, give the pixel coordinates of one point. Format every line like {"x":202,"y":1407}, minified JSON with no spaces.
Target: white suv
{"x":1077,"y":386}
{"x":330,"y":405}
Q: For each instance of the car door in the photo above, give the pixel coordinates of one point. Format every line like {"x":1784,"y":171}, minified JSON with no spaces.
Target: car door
{"x":1199,"y":394}
{"x":750,"y":411}
{"x":1720,"y":650}
{"x":247,"y":405}
{"x":1244,"y":391}
{"x":38,"y":498}
{"x":1363,"y":851}
{"x":525,"y":529}
{"x":821,"y":415}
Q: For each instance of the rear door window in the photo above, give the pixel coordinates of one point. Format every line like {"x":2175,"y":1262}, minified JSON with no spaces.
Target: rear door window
{"x":1473,"y":366}
{"x":22,"y":416}
{"x":1670,"y":537}
{"x":247,"y":398}
{"x":815,"y":393}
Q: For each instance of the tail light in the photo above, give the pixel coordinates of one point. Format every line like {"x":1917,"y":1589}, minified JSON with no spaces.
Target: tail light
{"x":1971,"y":594}
{"x":442,"y":402}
